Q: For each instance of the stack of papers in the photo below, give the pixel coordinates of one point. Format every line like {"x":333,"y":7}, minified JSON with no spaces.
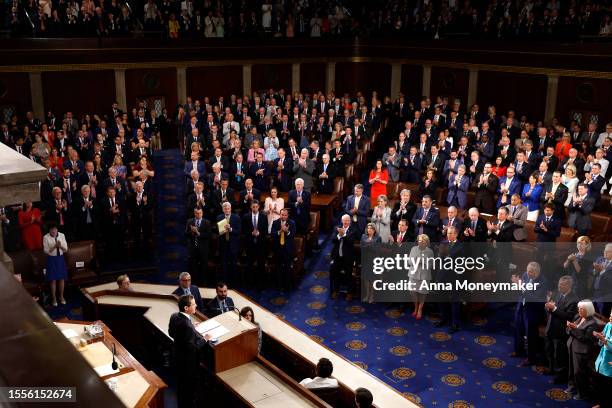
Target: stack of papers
{"x":211,"y":328}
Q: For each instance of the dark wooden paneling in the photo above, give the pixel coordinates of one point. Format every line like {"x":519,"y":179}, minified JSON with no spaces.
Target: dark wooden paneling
{"x":143,"y":83}
{"x":78,"y":91}
{"x":586,"y":95}
{"x":526,"y":94}
{"x":266,"y":76}
{"x":450,"y":82}
{"x":412,"y":82}
{"x":363,"y":76}
{"x":214,"y":82}
{"x":312,"y":77}
{"x":15,"y":91}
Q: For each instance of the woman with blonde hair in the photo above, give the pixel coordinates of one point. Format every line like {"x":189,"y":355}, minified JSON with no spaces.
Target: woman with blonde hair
{"x":570,"y":181}
{"x":381,"y":218}
{"x":420,"y":272}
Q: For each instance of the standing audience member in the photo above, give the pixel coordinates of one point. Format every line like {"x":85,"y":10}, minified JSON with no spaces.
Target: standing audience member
{"x":55,"y":246}
{"x":581,"y":348}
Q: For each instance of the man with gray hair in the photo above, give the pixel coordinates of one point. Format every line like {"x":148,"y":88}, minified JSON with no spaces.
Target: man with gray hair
{"x":560,"y":308}
{"x":602,"y":281}
{"x":343,"y":257}
{"x":529,"y":313}
{"x":299,"y":204}
{"x":186,"y":288}
{"x":303,"y":168}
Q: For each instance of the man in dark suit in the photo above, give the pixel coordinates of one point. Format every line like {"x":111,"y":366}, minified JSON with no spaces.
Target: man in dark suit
{"x":247,"y":196}
{"x":258,"y":171}
{"x":411,"y":166}
{"x":555,"y":193}
{"x":402,"y":236}
{"x":187,"y":346}
{"x":199,"y":199}
{"x":141,"y":205}
{"x":529,"y":313}
{"x":485,"y":186}
{"x":474,"y":228}
{"x":283,"y":233}
{"x":547,"y":226}
{"x":343,"y":257}
{"x":222,"y":194}
{"x":197,"y":233}
{"x":572,"y":160}
{"x":113,"y":219}
{"x":602,"y":281}
{"x":426,"y":220}
{"x":451,"y":220}
{"x":501,"y":230}
{"x":559,"y":310}
{"x":221,"y":303}
{"x":255,"y":230}
{"x":435,"y":161}
{"x":358,"y":207}
{"x":595,"y":181}
{"x":229,"y":241}
{"x":451,"y":310}
{"x":185,"y":288}
{"x":325,"y":175}
{"x":580,"y":209}
{"x":404,"y":209}
{"x":283,"y":171}
{"x":299,"y":203}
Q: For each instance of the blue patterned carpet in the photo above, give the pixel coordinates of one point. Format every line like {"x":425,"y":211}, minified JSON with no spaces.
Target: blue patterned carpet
{"x":470,"y":368}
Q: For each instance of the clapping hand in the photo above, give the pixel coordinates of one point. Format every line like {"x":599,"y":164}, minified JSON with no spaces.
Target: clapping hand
{"x":571,"y":325}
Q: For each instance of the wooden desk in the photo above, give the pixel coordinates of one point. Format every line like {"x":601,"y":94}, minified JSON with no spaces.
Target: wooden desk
{"x":136,"y":386}
{"x":294,"y":340}
{"x":262,"y":388}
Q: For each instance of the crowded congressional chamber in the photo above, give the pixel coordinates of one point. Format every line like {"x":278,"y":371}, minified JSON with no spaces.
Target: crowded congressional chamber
{"x":393,"y":203}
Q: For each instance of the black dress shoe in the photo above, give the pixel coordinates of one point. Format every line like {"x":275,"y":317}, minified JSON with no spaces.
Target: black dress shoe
{"x":453,"y":329}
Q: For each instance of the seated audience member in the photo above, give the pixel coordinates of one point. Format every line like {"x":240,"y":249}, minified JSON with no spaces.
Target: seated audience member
{"x":248,"y":314}
{"x":123,"y":283}
{"x":186,"y":288}
{"x":220,"y":303}
{"x":323,"y":376}
{"x":55,"y":246}
{"x":581,"y":347}
{"x":363,"y":398}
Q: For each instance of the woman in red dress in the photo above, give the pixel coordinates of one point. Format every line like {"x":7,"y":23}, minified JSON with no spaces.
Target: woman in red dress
{"x":563,"y":147}
{"x":499,"y":169}
{"x":379,"y":178}
{"x":30,"y":221}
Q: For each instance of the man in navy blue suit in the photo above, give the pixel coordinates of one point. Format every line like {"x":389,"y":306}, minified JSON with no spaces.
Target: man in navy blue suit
{"x":195,"y":164}
{"x":258,"y":171}
{"x":451,"y":310}
{"x":358,"y":207}
{"x":529,"y":313}
{"x":186,"y":288}
{"x":283,"y":171}
{"x":255,"y":229}
{"x":547,"y":226}
{"x":427,"y":219}
{"x":229,"y":241}
{"x":221,"y":303}
{"x":507,"y":187}
{"x":283,"y":233}
{"x":299,"y":203}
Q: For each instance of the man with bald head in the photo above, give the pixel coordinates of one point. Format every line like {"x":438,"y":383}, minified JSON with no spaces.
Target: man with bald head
{"x":474,"y":228}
